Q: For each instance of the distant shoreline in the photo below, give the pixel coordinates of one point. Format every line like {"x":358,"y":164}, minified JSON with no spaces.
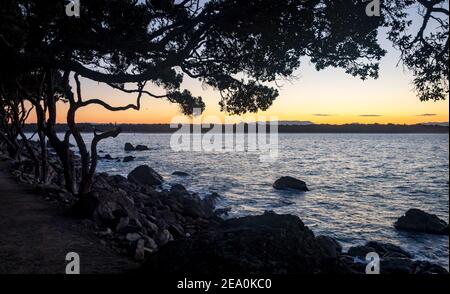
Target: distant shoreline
{"x":283,"y":129}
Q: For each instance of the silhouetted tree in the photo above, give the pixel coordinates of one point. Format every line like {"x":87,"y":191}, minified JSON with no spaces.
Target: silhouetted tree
{"x":425,"y":50}
{"x":236,"y":47}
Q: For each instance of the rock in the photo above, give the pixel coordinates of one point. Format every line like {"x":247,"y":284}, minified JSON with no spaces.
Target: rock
{"x":139,"y":252}
{"x":420,"y":221}
{"x":133,"y":237}
{"x":128,"y":158}
{"x":391,"y":265}
{"x":129,"y":147}
{"x":123,"y":223}
{"x":141,"y":148}
{"x":360,"y":251}
{"x":187,"y":204}
{"x":290,"y":183}
{"x":385,"y":249}
{"x":105,"y":233}
{"x":108,"y":157}
{"x":178,"y":188}
{"x":150,"y":243}
{"x":265,"y":244}
{"x":222,"y":211}
{"x":176,"y":231}
{"x":210,"y":200}
{"x":180,"y":174}
{"x":330,"y":246}
{"x":145,"y":175}
{"x":427,"y":268}
{"x":150,"y":226}
{"x":164,"y":237}
{"x":85,"y":206}
{"x":114,"y":205}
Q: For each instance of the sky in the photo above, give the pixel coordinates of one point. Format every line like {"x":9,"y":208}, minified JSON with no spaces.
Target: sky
{"x":330,"y":96}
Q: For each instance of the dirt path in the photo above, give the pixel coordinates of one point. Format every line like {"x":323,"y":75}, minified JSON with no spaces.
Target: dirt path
{"x":35,"y":236}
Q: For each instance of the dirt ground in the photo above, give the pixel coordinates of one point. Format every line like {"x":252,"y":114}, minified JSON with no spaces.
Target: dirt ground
{"x":35,"y":236}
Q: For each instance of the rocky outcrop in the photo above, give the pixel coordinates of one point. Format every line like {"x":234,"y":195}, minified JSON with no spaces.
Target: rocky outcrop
{"x":284,"y":183}
{"x":129,"y":147}
{"x":330,"y":246}
{"x":419,"y":221}
{"x":382,"y":249}
{"x":393,"y":260}
{"x":138,"y":220}
{"x":265,"y":244}
{"x":145,"y":175}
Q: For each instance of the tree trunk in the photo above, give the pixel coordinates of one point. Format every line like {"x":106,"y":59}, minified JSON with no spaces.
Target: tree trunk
{"x":44,"y":157}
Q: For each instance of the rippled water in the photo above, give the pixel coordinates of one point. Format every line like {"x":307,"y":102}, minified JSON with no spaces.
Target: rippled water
{"x":360,"y":183}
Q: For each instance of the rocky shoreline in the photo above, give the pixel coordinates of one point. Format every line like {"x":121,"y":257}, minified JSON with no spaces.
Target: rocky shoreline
{"x":175,"y":231}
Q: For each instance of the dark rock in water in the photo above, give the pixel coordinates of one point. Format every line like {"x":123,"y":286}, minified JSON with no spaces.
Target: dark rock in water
{"x":191,"y":205}
{"x":382,"y":249}
{"x":211,"y":199}
{"x":129,"y":147}
{"x":108,"y":157}
{"x":145,"y":175}
{"x":141,"y":148}
{"x":427,"y":268}
{"x":290,"y":183}
{"x":265,"y":244}
{"x":180,"y":174}
{"x":330,"y":246}
{"x":360,"y":251}
{"x":391,"y":265}
{"x":420,"y":221}
{"x":128,"y":158}
{"x":178,"y":188}
{"x":222,"y":211}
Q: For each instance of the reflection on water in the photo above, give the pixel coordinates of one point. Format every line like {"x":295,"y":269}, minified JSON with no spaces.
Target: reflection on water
{"x":360,"y":183}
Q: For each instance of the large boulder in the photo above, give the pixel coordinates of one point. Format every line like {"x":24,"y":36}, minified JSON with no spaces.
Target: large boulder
{"x":420,"y":221}
{"x":383,"y":250}
{"x":389,"y":250}
{"x":265,"y":244}
{"x":180,"y":200}
{"x":129,"y":147}
{"x":330,"y":246}
{"x":290,"y":183}
{"x":145,"y":175}
{"x":393,"y":260}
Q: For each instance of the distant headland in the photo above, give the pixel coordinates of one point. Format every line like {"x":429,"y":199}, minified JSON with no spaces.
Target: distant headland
{"x":283,"y":127}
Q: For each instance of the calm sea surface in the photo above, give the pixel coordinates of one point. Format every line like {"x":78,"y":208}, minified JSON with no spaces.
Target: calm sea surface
{"x":360,"y":183}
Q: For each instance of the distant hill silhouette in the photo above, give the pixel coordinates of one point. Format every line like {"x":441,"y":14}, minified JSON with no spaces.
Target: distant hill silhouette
{"x":289,"y":128}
